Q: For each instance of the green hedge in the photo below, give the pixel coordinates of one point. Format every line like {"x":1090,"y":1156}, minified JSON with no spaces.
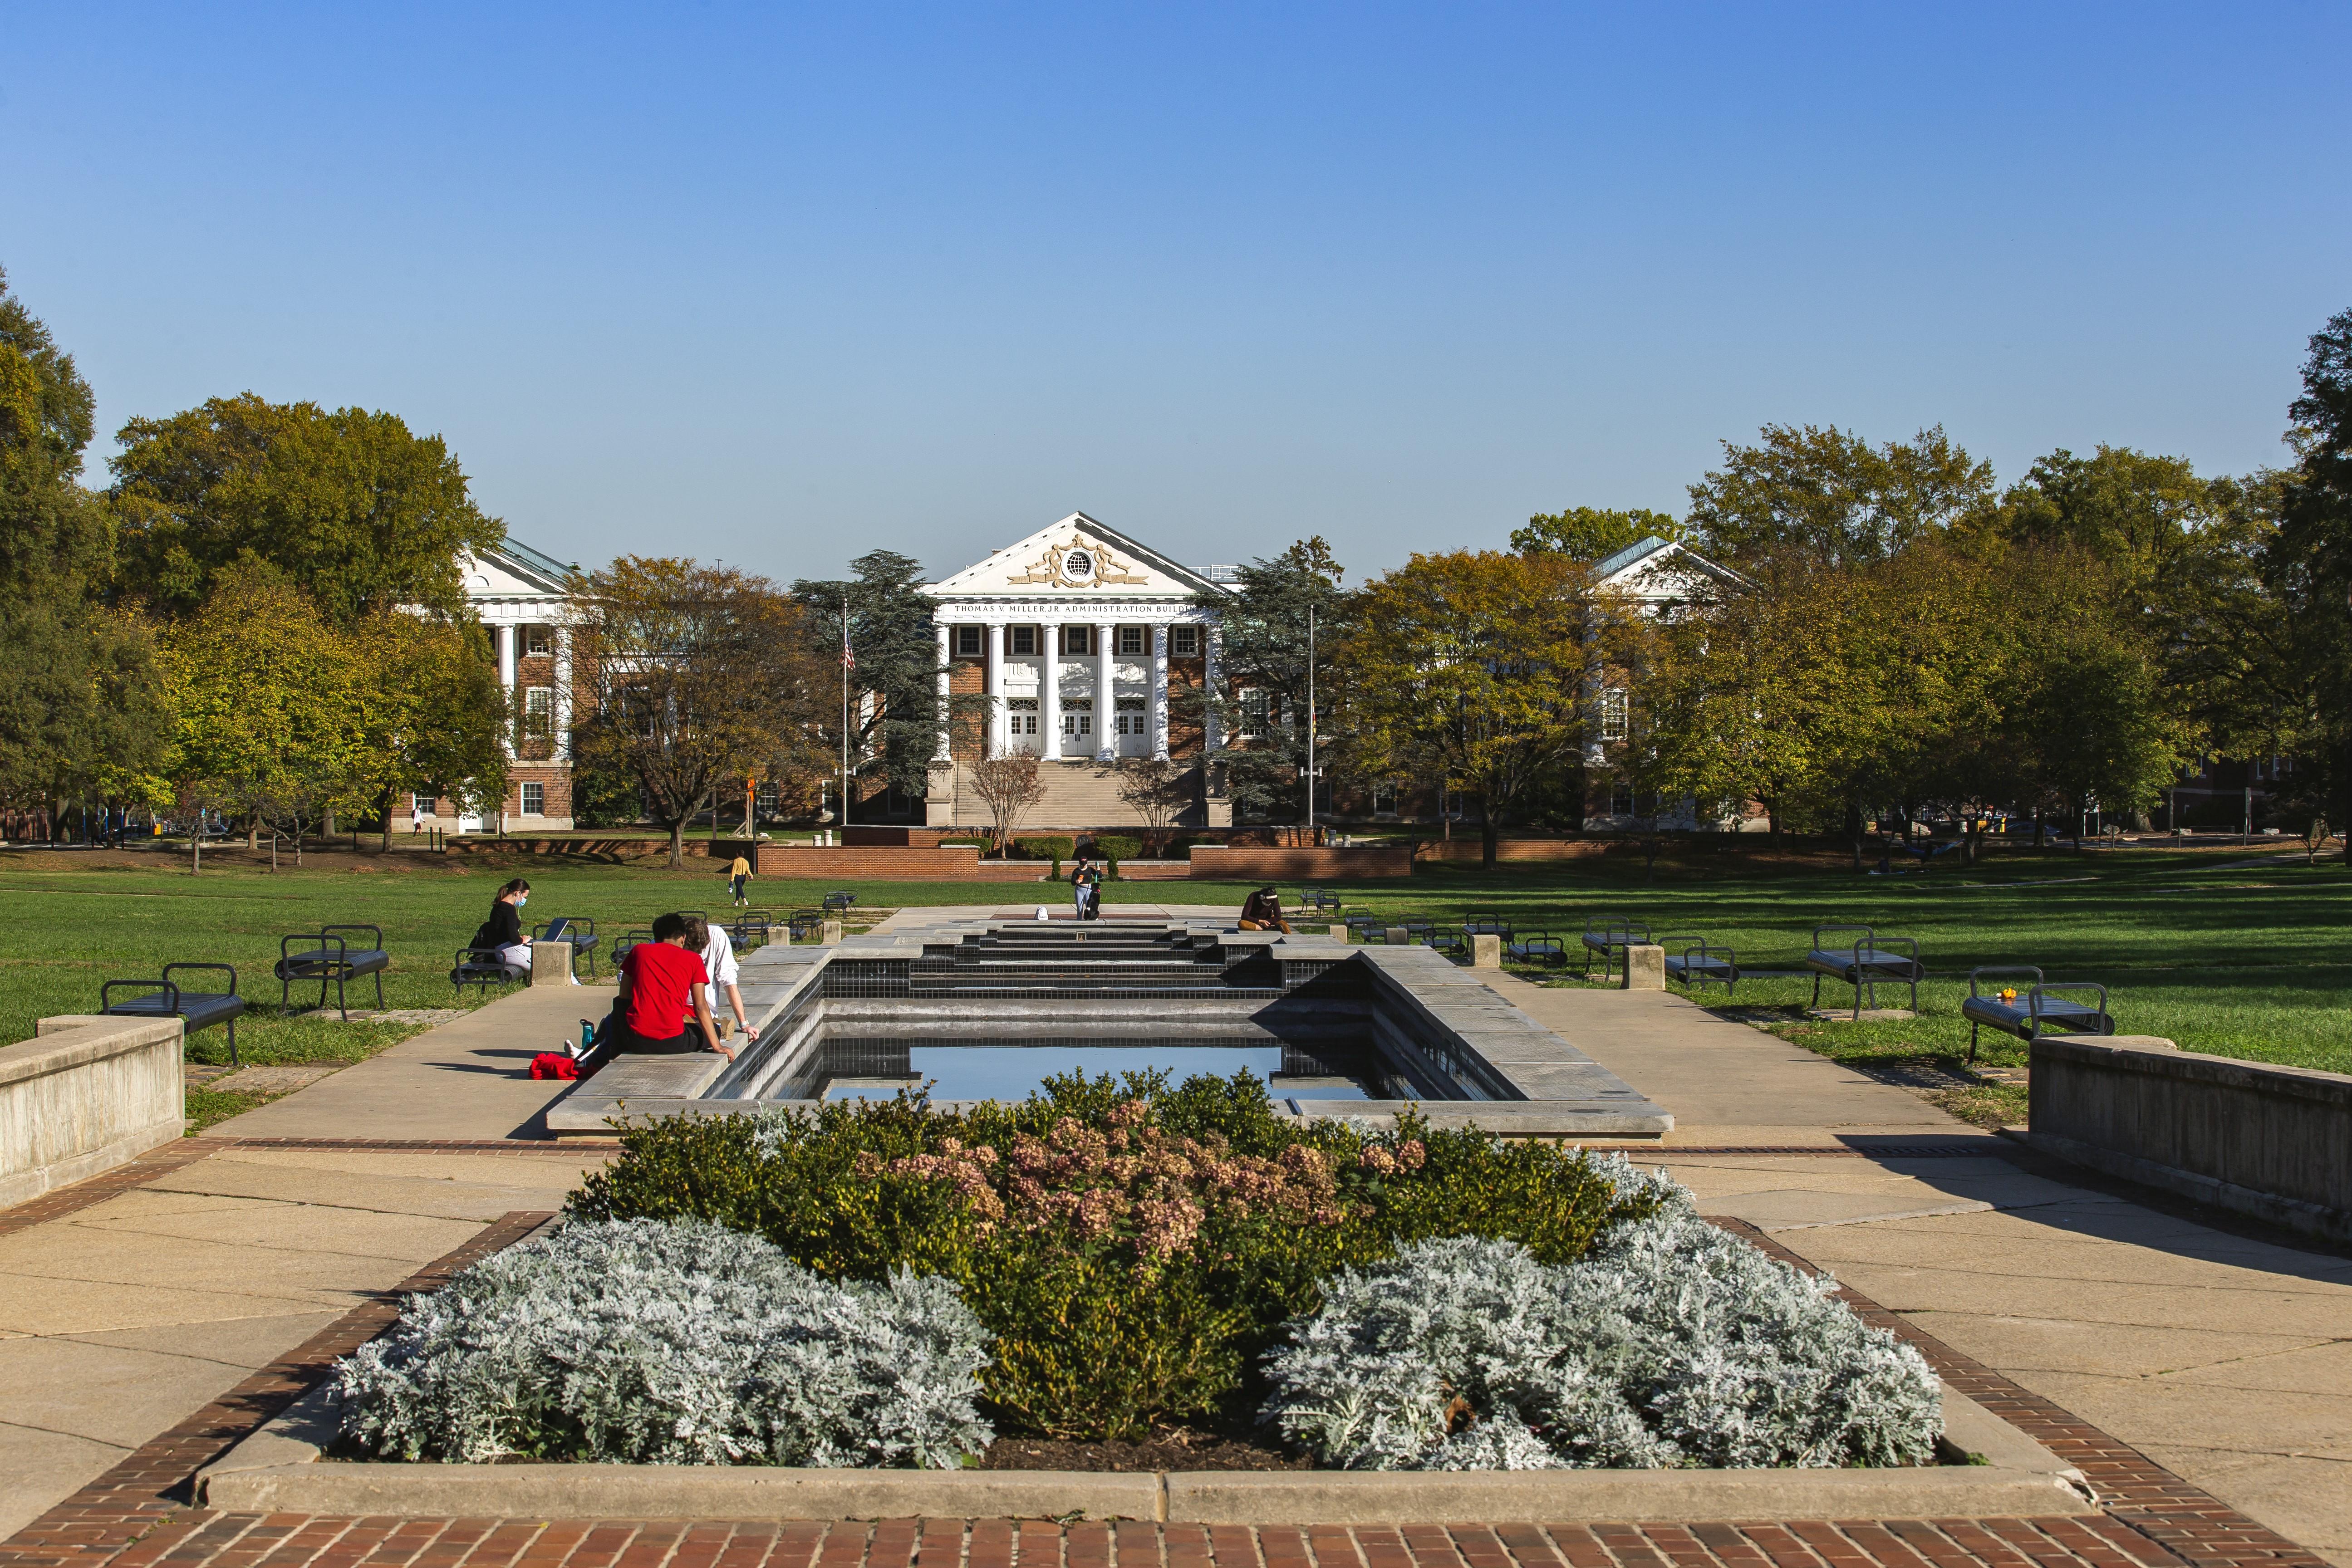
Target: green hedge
{"x":1133,"y":1249}
{"x":1047,"y":846}
{"x":1118,"y":846}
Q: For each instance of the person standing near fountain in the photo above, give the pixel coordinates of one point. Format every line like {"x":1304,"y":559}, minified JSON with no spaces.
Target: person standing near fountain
{"x":1085,"y":887}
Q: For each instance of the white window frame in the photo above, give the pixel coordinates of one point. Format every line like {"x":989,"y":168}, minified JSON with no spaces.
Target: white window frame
{"x":538,"y":712}
{"x":1021,"y":642}
{"x":531,"y":796}
{"x":969,"y":642}
{"x":537,"y":642}
{"x":1078,"y":641}
{"x":1184,"y":641}
{"x":1134,"y":641}
{"x":1616,"y":713}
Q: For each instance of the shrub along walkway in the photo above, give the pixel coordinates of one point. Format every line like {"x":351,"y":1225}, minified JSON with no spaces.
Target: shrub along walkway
{"x":136,"y":1308}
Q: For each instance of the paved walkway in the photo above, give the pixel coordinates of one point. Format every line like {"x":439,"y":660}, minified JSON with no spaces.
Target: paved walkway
{"x":135,"y":1309}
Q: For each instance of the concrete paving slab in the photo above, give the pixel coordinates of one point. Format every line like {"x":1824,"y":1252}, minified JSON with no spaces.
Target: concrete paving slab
{"x":538,"y":1172}
{"x":468,"y":1079}
{"x":90,"y":1252}
{"x":281,"y":1227}
{"x":1794,"y":1209}
{"x":306,"y":1184}
{"x":249,"y":1342}
{"x":35,"y":1304}
{"x":2316,"y":1368}
{"x":2103,"y":1349}
{"x":110,"y":1394}
{"x":2022,"y":1254}
{"x":37,"y":1468}
{"x":2220,"y":1308}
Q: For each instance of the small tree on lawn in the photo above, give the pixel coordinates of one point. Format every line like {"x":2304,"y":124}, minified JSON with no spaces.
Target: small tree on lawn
{"x":1153,"y":789}
{"x":1008,"y":787}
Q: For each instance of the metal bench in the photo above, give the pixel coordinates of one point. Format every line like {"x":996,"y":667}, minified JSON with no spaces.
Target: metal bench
{"x":626,"y":941}
{"x":1609,"y":935}
{"x":167,"y":998}
{"x":751,"y":927}
{"x":336,"y":964}
{"x":1368,"y":927}
{"x":1538,"y":948}
{"x":578,"y":930}
{"x":2037,"y":1012}
{"x":482,"y":967}
{"x":806,"y":925}
{"x":1701,"y":963}
{"x":1452,"y":944}
{"x":1871,"y":960}
{"x":1317,"y":899}
{"x":1487,"y":925}
{"x":839,"y":901}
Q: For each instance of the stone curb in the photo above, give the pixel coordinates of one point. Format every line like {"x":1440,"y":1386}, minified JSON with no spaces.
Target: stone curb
{"x":277,"y":1469}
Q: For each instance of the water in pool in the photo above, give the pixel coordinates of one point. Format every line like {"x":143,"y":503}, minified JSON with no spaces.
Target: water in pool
{"x":1009,"y":1069}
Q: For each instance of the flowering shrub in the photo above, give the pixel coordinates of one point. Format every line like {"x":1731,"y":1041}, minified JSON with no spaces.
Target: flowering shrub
{"x":1668,"y":1344}
{"x":653,"y":1342}
{"x":1132,"y":1247}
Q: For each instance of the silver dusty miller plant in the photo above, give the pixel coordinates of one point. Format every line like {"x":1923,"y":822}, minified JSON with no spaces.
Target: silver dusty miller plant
{"x":1669,"y":1343}
{"x":670,"y":1343}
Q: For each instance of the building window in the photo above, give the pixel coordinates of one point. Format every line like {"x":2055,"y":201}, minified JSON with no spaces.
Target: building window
{"x":1256,"y":708}
{"x":967,"y":642}
{"x":1614,"y":712}
{"x":1384,"y":798}
{"x":421,"y":804}
{"x":538,"y":639}
{"x":767,"y":800}
{"x":538,"y":711}
{"x":1184,"y":641}
{"x":1078,"y":640}
{"x":1024,"y":641}
{"x":1077,"y":715}
{"x":1130,"y":641}
{"x":534,"y":799}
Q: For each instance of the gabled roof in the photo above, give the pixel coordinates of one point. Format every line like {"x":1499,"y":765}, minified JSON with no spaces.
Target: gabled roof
{"x":511,"y":568}
{"x":1647,"y":557}
{"x":1120,"y":566}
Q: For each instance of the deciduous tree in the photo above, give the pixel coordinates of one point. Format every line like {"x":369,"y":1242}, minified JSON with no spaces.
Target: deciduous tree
{"x":1593,"y":533}
{"x":702,"y":675}
{"x":359,"y":512}
{"x":1824,"y":496}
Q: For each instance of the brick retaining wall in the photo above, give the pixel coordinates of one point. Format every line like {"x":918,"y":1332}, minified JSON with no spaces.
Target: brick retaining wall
{"x":1230,"y":864}
{"x":954,"y":862}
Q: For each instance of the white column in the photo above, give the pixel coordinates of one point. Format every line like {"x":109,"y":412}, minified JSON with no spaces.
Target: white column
{"x":562,"y":719}
{"x":1212,"y":734}
{"x":1159,"y":691}
{"x":1106,"y":696}
{"x":1049,"y":691}
{"x":942,"y":754}
{"x":504,"y":636}
{"x":995,"y":746}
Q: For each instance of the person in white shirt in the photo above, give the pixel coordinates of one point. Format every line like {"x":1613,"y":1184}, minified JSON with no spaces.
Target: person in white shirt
{"x":718,"y":950}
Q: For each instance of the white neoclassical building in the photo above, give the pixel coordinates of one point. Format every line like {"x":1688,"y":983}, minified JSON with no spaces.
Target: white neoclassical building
{"x":1077,"y":635}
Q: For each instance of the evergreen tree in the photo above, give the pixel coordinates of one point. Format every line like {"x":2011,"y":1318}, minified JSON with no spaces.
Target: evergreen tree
{"x":894,"y":737}
{"x":1262,"y":668}
{"x":81,"y":710}
{"x":2310,"y":566}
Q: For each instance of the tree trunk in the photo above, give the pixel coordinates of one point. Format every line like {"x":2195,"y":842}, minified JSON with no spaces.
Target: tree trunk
{"x":253,"y":831}
{"x":2040,"y":827}
{"x":677,"y":845}
{"x":1853,"y":831}
{"x":1488,"y":833}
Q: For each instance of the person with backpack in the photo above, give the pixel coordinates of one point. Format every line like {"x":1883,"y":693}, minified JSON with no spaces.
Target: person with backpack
{"x":1085,"y":887}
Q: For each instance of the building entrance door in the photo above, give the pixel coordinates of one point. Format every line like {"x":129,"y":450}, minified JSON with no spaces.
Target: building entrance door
{"x":1021,"y":736}
{"x":1131,"y":728}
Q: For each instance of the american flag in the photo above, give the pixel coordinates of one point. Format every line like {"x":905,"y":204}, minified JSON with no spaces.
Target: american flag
{"x":848,"y":659}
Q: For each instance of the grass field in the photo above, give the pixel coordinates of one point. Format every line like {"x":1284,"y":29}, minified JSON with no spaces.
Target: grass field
{"x":2235,"y":952}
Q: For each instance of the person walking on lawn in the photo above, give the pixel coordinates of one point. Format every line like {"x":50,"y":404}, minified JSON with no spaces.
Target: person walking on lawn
{"x":664,"y":986}
{"x":738,"y":874}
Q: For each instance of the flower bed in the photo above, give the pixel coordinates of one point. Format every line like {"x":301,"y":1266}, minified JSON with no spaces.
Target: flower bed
{"x":888,"y":1284}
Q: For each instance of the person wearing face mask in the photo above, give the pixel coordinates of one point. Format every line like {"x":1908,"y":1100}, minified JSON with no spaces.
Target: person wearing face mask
{"x":503,"y":930}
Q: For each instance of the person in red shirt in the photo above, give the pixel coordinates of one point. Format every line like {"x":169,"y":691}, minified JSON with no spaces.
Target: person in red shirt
{"x":664,"y":984}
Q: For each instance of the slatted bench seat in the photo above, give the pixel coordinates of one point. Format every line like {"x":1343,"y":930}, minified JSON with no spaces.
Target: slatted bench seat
{"x":2038,"y":1012}
{"x":1537,"y":947}
{"x":1485,"y":926}
{"x":1317,"y":899}
{"x":331,"y":958}
{"x":1368,"y":927}
{"x":166,"y":997}
{"x":578,"y":930}
{"x":1869,"y":961}
{"x":482,"y":967}
{"x":1608,"y":936}
{"x":1700,"y":963}
{"x":839,"y":901}
{"x":751,"y":927}
{"x":806,"y":925}
{"x":626,"y":941}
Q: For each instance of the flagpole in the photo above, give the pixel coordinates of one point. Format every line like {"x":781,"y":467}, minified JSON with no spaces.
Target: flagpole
{"x":844,"y":710}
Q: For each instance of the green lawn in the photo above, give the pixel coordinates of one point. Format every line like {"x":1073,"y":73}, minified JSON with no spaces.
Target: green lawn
{"x":2236,"y":954}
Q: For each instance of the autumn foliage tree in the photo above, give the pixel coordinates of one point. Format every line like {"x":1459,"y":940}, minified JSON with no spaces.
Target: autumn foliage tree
{"x":702,"y":677}
{"x":1482,"y":670}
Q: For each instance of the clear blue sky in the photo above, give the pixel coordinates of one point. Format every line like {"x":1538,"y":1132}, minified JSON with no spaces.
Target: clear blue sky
{"x":779,"y":285}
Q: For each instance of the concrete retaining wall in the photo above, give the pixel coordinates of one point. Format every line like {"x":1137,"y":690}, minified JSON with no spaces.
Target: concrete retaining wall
{"x":2272,"y":1142}
{"x":84,"y":1095}
{"x":1227,"y":864}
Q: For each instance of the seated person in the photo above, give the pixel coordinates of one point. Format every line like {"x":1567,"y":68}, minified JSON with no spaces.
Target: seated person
{"x":503,"y":930}
{"x":662,"y":986}
{"x":1263,"y":911}
{"x":718,"y":950}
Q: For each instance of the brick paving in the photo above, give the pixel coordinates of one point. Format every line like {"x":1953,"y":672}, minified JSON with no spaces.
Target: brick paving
{"x":139,"y":1514}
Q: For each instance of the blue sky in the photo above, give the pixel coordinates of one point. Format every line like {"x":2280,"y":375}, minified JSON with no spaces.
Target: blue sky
{"x":780,"y":285}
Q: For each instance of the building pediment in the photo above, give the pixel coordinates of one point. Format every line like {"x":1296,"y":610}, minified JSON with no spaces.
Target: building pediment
{"x":511,"y":571}
{"x":1078,"y":558}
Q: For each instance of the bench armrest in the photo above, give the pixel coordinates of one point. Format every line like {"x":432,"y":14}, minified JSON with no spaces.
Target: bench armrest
{"x":319,"y":938}
{"x":170,"y":992}
{"x":1887,"y":945}
{"x":2034,"y":997}
{"x":1974,"y":974}
{"x":1868,"y":936}
{"x":374,"y":932}
{"x":224,"y":968}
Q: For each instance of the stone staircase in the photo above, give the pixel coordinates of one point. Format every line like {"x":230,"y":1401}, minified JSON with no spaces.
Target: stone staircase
{"x":1078,"y":795}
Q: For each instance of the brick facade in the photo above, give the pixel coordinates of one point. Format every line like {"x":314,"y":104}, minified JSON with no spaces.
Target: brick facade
{"x":1234,"y":865}
{"x":954,"y":862}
